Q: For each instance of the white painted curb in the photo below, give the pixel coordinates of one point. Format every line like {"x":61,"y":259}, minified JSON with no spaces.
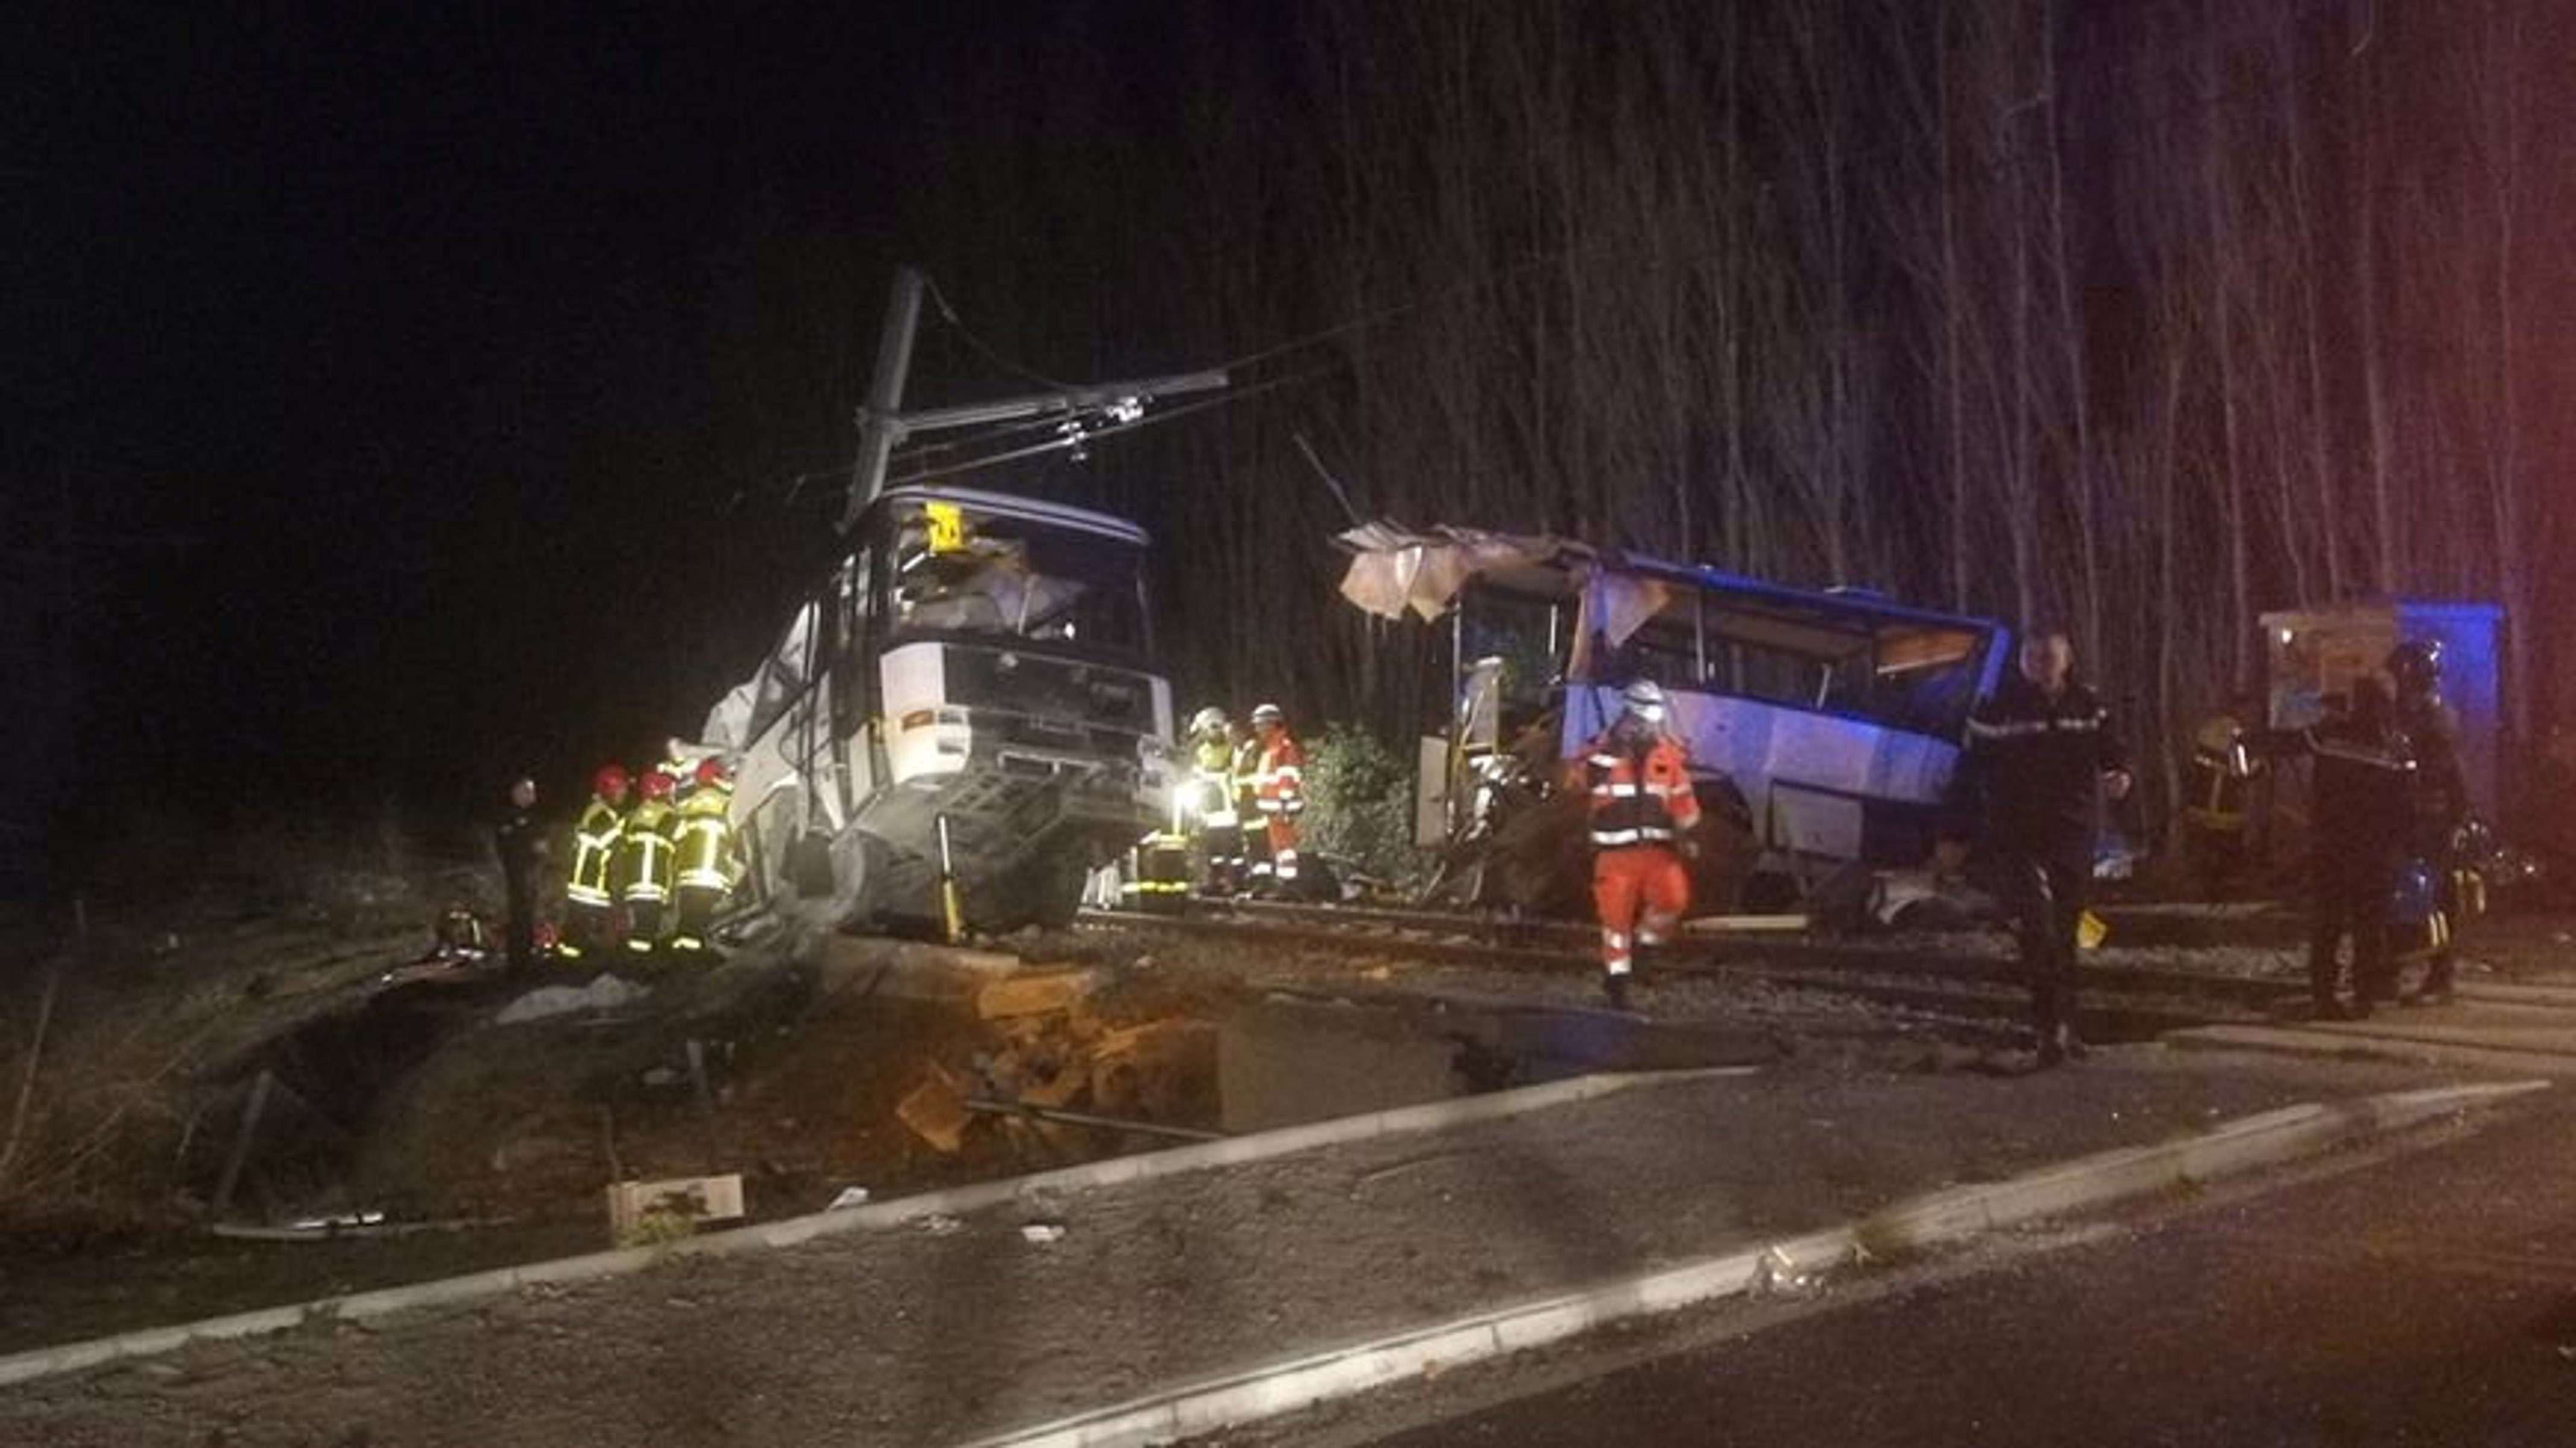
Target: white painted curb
{"x":1282,"y":1387}
{"x":955,"y":1201}
{"x":2377,"y":1045}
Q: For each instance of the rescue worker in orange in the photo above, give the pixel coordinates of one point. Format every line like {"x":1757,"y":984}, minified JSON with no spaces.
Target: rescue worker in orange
{"x":1643,"y":811}
{"x":1279,"y":788}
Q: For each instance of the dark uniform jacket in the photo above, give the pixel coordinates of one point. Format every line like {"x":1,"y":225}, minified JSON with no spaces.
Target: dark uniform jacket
{"x":2441,"y":786}
{"x":521,"y":843}
{"x":2364,"y":796}
{"x":2031,"y":776}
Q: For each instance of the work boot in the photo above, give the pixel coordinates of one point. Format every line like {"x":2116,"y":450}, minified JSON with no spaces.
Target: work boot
{"x":2059,"y":1044}
{"x":1616,"y":988}
{"x":2438,"y":986}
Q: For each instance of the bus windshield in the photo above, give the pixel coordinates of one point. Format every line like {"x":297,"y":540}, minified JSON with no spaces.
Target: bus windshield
{"x":955,"y":568}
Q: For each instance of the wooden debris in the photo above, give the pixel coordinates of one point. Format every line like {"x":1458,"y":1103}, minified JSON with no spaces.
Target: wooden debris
{"x":635,"y":1208}
{"x":1034,"y":995}
{"x":936,"y":1112}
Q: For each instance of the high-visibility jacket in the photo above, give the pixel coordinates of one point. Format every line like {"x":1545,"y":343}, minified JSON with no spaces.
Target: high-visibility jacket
{"x":1279,"y":780}
{"x":1640,"y":792}
{"x":1214,"y":783}
{"x":594,"y":845}
{"x":642,"y":868}
{"x":709,"y":855}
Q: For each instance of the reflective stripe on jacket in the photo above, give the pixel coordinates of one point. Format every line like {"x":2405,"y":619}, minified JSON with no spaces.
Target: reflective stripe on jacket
{"x":1279,"y":782}
{"x":642,"y":868}
{"x":704,"y":840}
{"x":1639,"y":795}
{"x":594,"y":845}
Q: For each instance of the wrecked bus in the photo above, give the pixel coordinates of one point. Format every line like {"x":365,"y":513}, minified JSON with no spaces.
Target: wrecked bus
{"x":972,"y":699}
{"x":1826,"y":722}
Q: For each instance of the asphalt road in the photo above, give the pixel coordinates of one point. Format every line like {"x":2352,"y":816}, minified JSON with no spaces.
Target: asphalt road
{"x":2425,"y":1296}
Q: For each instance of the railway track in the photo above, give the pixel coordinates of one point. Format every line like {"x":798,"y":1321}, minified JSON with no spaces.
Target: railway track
{"x":1977,"y":992}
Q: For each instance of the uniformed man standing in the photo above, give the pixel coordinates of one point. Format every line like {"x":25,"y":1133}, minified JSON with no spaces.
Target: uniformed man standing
{"x":1279,"y":788}
{"x":2441,"y":793}
{"x":1641,"y":812}
{"x":521,"y":843}
{"x":1256,"y":869}
{"x":1212,"y":793}
{"x":2041,"y":753}
{"x":642,"y":868}
{"x":706,"y":854}
{"x":2358,"y":839}
{"x":588,"y":891}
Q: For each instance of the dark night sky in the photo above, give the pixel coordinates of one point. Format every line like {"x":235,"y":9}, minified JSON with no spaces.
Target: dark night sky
{"x":402,"y":324}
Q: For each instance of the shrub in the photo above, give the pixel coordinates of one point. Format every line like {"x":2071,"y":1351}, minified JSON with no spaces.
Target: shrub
{"x":1359,"y":806}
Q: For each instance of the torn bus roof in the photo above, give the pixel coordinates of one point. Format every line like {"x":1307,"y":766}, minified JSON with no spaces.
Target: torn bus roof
{"x":1396,"y":570}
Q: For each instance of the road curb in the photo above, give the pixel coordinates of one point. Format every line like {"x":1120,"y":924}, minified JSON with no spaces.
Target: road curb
{"x":2348,"y":1044}
{"x":789,"y":1232}
{"x":2516,"y":993}
{"x":1280,"y":1387}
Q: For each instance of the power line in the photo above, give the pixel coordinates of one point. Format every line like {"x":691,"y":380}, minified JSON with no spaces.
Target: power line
{"x":1085,"y":436}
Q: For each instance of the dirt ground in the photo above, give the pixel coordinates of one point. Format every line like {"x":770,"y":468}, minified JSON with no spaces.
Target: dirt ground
{"x":946,"y":1328}
{"x":408,"y":1098}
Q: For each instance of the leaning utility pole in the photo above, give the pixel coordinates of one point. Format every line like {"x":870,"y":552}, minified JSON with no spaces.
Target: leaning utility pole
{"x":883,"y":423}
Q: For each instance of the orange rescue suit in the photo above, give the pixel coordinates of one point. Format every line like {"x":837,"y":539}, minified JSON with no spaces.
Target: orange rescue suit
{"x":1642,"y":803}
{"x":1279,"y":786}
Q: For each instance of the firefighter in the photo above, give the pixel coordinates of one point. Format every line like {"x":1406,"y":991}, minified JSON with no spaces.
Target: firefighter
{"x":1212,"y":790}
{"x":2041,"y":753}
{"x":1643,"y":811}
{"x":1254,"y":856}
{"x":594,"y":844}
{"x":2226,"y":768}
{"x":641,"y":869}
{"x":521,"y":843}
{"x":2361,"y":819}
{"x":681,"y":763}
{"x":2441,"y":796}
{"x":1279,"y":787}
{"x":708,"y":854}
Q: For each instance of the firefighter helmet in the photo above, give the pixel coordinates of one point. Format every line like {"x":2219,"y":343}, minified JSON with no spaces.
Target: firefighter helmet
{"x":1209,"y":720}
{"x":712,"y":773}
{"x":657,"y":785}
{"x":1268,"y":714}
{"x":2416,"y":665}
{"x":1645,"y":699}
{"x":611,"y":782}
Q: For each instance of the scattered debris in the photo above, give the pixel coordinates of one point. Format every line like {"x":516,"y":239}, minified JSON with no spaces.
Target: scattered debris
{"x":1776,"y":1275}
{"x":1034,"y":995}
{"x":606,"y":994}
{"x":849,"y":1197}
{"x":1043,"y":1232}
{"x":936,"y":1111}
{"x":940,"y":1224}
{"x":644,"y":1212}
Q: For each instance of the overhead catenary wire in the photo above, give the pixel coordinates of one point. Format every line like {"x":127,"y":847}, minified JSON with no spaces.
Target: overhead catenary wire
{"x":1085,"y":436}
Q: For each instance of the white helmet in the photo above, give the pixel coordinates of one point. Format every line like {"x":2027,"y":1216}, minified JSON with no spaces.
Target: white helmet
{"x":1268,"y":714}
{"x":1208,"y":720}
{"x":1645,"y":699}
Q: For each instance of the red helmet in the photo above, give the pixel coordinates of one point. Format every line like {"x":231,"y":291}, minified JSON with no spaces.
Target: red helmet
{"x":611,"y":781}
{"x":657,"y":785}
{"x":712,"y":773}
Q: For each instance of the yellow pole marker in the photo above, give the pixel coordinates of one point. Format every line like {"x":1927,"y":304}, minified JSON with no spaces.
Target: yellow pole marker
{"x":950,"y":903}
